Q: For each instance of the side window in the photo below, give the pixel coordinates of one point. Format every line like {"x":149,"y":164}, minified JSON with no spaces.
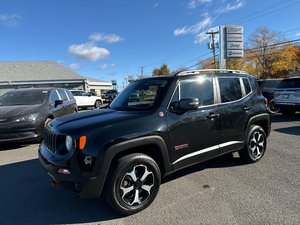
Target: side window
{"x":53,"y":97}
{"x":247,"y":85}
{"x":230,"y":89}
{"x":201,"y":88}
{"x":69,"y":94}
{"x":63,"y":95}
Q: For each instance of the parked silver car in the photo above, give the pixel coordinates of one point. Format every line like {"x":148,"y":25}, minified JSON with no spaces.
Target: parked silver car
{"x":287,"y":96}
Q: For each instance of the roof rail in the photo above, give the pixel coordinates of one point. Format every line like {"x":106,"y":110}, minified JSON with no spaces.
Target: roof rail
{"x":191,"y":72}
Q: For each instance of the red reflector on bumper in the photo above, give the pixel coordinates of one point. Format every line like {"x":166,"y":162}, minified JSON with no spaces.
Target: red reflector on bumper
{"x":54,"y":183}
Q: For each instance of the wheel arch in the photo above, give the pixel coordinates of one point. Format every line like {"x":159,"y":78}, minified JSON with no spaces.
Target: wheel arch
{"x":262,"y":120}
{"x":153,"y":146}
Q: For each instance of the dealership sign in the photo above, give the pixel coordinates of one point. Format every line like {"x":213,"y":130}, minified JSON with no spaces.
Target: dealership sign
{"x":234,"y":42}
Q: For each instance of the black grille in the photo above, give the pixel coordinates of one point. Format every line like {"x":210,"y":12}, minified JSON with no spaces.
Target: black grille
{"x":54,"y":142}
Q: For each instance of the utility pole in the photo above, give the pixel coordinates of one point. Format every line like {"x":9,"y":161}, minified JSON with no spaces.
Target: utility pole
{"x":212,"y":33}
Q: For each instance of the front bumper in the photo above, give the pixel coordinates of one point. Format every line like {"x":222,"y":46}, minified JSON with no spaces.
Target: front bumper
{"x":85,"y":186}
{"x":20,"y":135}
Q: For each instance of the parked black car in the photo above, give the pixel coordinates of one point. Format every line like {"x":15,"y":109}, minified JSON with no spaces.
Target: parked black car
{"x":23,"y":112}
{"x":268,"y":88}
{"x":178,"y":121}
{"x":109,"y":95}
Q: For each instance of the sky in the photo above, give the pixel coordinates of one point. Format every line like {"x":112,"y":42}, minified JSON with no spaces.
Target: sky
{"x":110,"y":39}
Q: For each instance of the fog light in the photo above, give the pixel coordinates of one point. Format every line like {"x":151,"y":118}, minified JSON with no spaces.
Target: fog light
{"x":64,"y":171}
{"x":88,"y":160}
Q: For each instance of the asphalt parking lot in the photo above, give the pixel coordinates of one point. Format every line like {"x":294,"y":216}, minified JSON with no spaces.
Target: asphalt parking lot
{"x":221,"y":191}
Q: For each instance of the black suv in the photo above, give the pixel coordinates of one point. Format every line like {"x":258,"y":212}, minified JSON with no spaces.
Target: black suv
{"x":176,"y":121}
{"x":23,"y":112}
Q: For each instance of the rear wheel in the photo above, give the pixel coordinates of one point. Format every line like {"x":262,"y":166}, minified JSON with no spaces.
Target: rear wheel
{"x":133,"y":183}
{"x":256,"y":145}
{"x":98,"y":104}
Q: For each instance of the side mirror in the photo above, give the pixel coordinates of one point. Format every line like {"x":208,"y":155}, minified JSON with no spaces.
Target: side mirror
{"x":58,"y":102}
{"x":188,"y":104}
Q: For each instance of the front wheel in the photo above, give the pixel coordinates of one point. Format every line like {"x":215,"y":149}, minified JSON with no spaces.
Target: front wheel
{"x":256,"y":145}
{"x":133,"y":183}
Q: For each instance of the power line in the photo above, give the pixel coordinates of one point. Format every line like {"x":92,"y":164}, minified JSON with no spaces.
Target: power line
{"x":252,"y":16}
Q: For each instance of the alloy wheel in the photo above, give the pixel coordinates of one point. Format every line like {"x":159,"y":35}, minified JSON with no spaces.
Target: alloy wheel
{"x":257,"y":145}
{"x":136,"y":185}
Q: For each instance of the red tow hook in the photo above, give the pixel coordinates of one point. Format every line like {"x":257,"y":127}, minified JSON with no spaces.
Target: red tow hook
{"x":54,"y":183}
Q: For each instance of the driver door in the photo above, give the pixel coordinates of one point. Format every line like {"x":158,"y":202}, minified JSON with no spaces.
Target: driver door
{"x":194,"y":134}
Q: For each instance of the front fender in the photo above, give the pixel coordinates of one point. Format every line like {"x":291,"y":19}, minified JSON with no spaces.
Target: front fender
{"x":106,"y":158}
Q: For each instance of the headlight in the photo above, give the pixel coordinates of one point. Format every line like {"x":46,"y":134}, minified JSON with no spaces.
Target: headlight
{"x":30,"y":118}
{"x":70,"y":143}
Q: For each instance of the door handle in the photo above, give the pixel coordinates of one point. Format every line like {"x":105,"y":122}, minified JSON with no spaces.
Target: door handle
{"x":213,"y":115}
{"x":246,"y":108}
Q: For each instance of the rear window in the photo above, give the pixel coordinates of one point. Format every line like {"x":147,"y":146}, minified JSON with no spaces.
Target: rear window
{"x":230,"y":89}
{"x":290,"y":83}
{"x":247,"y":85}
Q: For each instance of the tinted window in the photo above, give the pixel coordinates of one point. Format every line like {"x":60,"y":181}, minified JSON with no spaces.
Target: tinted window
{"x":272,"y":83}
{"x":230,"y":89}
{"x":247,"y":85}
{"x":201,"y":88}
{"x":290,"y":83}
{"x":26,"y":97}
{"x":63,"y":95}
{"x":53,"y":97}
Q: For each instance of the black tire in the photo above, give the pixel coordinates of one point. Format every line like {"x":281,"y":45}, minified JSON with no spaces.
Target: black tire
{"x":121,"y":178}
{"x":272,"y":107}
{"x":256,"y":144}
{"x":98,"y":104}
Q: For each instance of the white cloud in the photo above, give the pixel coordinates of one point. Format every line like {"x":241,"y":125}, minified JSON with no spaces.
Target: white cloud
{"x":230,"y":7}
{"x":88,"y":51}
{"x":298,"y":34}
{"x":105,"y":66}
{"x":201,"y":37}
{"x":195,"y":3}
{"x":207,"y":21}
{"x":10,"y":19}
{"x":109,"y":38}
{"x":75,"y":66}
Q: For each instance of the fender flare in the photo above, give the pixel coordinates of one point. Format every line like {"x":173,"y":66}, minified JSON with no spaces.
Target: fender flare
{"x":110,"y":153}
{"x":259,"y":117}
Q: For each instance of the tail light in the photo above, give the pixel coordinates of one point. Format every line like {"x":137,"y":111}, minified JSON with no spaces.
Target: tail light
{"x":266,"y":102}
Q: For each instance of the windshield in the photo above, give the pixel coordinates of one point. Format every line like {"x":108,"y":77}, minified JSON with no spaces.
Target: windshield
{"x":32,"y":97}
{"x":141,"y":95}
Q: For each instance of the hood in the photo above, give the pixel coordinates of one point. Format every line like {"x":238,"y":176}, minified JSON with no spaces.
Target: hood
{"x":7,"y":112}
{"x":90,"y":119}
